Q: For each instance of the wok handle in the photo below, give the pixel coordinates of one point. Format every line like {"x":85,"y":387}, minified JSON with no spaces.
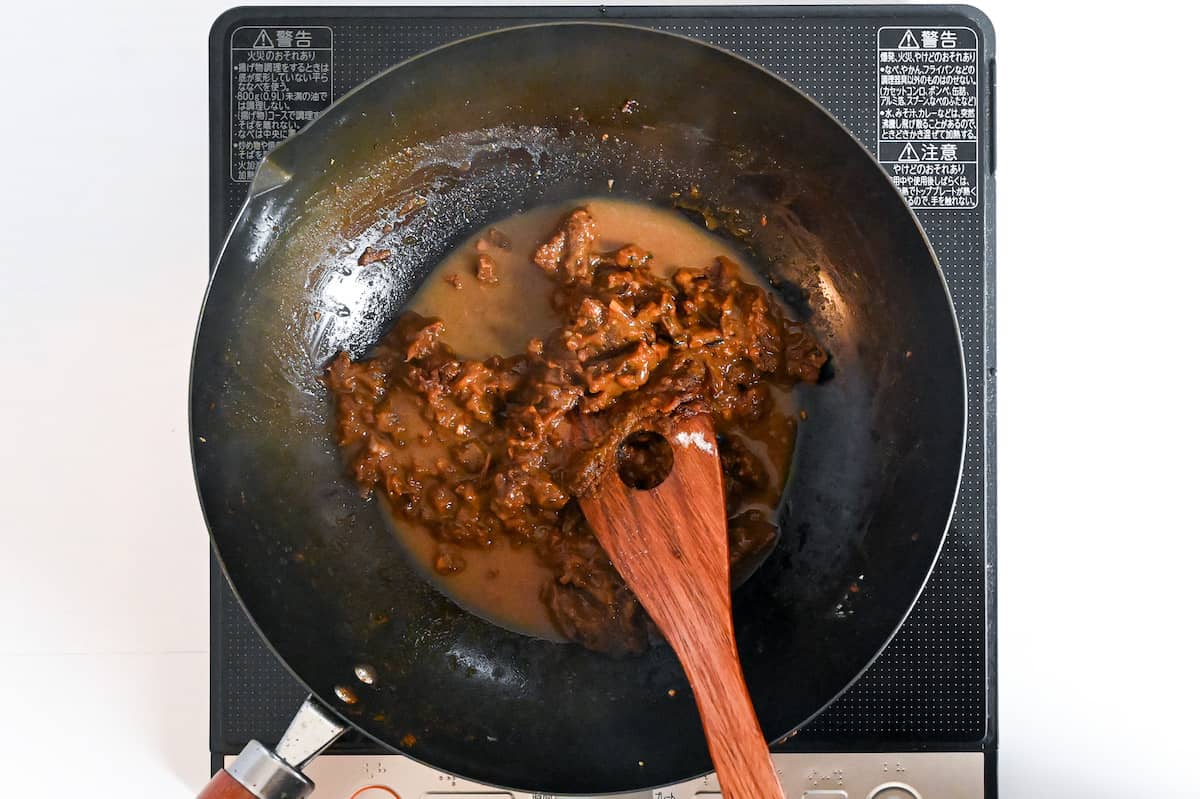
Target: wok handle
{"x":258,"y":773}
{"x":262,"y":773}
{"x":224,"y":786}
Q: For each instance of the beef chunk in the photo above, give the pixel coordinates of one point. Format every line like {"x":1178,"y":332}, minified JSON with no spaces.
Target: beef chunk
{"x":485,"y":270}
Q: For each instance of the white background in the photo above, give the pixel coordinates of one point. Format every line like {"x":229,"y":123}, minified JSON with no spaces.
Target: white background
{"x":104,"y":240}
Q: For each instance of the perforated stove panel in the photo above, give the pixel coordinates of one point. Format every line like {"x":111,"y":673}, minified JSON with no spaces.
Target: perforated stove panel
{"x":932,"y":685}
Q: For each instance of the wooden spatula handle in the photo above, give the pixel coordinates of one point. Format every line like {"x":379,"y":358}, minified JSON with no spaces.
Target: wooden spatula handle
{"x":735,"y":739}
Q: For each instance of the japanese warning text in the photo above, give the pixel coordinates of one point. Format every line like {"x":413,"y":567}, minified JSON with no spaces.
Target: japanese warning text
{"x":280,"y":79}
{"x":928,"y":134}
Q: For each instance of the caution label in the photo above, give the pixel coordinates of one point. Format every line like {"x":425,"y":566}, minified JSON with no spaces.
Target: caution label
{"x":279,"y":80}
{"x":928,"y":101}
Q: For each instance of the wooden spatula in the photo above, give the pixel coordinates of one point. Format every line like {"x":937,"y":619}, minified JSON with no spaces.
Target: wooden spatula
{"x":670,"y":545}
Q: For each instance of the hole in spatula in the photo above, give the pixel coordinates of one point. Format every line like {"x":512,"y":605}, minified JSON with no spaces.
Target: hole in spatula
{"x":644,"y":460}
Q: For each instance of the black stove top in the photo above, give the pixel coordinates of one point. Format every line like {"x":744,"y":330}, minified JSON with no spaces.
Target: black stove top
{"x":878,"y":70}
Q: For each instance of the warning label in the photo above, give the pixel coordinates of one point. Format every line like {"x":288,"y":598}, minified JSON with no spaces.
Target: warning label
{"x":279,"y":80}
{"x":928,"y":95}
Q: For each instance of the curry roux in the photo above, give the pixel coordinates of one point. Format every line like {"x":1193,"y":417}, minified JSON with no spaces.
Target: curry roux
{"x":533,"y":350}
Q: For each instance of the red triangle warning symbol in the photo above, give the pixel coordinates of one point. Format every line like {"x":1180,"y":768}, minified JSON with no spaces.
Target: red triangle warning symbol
{"x":264,"y":40}
{"x":909,"y":153}
{"x":907,"y":41}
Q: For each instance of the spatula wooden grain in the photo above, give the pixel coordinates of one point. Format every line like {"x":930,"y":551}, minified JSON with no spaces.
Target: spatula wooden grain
{"x":670,"y":545}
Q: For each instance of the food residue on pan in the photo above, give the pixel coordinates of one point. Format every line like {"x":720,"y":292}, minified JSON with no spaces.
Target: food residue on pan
{"x":494,"y":402}
{"x":370,"y":255}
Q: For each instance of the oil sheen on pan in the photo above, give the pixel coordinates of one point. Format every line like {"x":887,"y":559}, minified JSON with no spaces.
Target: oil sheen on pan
{"x":529,"y":353}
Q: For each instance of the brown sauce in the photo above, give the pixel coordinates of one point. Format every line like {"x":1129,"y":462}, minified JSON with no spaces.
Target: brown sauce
{"x":537,"y":570}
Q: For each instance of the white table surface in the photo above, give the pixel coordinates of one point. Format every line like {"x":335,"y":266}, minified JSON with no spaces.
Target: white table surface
{"x":104,"y":240}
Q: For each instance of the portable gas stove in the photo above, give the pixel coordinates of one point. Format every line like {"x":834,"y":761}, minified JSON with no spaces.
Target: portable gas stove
{"x":915,"y":84}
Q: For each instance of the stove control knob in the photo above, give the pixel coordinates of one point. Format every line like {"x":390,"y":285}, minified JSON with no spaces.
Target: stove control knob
{"x":375,"y":792}
{"x":895,"y":790}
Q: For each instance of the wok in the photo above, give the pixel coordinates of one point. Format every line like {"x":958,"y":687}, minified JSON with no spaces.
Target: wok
{"x":471,"y":132}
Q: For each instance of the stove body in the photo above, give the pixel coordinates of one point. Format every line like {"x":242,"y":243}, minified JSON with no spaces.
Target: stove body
{"x":915,"y":84}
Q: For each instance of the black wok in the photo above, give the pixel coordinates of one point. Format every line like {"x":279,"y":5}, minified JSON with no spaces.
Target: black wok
{"x":478,"y":130}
